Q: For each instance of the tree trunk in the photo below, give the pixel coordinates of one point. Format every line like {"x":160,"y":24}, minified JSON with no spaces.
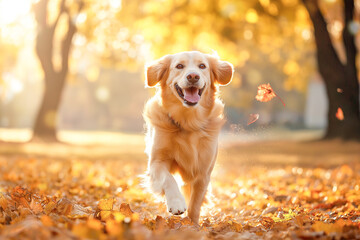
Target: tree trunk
{"x":342,"y":86}
{"x":45,"y":124}
{"x":46,"y":120}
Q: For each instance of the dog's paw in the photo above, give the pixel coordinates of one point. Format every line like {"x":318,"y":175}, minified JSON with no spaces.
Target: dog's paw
{"x":177,"y":205}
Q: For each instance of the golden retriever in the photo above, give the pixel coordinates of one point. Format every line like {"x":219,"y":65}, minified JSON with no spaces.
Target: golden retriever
{"x":183,"y":120}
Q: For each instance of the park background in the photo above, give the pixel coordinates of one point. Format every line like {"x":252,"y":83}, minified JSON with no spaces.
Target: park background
{"x":103,"y":90}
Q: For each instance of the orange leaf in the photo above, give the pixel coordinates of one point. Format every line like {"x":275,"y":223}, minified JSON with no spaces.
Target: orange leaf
{"x":339,"y":114}
{"x":126,"y":210}
{"x":64,"y":206}
{"x":267,"y":222}
{"x":265,"y":93}
{"x":160,"y":223}
{"x":253,"y":118}
{"x":114,"y":228}
{"x":106,"y":204}
{"x":47,"y":221}
{"x":49,"y":207}
{"x":21,"y":195}
{"x":36,"y":207}
{"x":3,"y":201}
{"x":327,"y":227}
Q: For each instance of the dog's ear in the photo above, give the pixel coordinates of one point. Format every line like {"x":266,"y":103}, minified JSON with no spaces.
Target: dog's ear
{"x":222,"y":71}
{"x":157,"y":71}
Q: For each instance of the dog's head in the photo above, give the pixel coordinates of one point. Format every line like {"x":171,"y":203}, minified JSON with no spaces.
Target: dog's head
{"x":189,"y":76}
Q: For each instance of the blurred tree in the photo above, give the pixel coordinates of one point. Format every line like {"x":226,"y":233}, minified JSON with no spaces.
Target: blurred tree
{"x":54,"y":79}
{"x":266,"y":40}
{"x":341,"y":78}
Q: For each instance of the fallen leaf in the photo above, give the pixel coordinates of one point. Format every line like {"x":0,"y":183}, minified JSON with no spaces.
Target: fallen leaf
{"x":160,"y":223}
{"x":106,"y":204}
{"x":36,"y":207}
{"x":3,"y":202}
{"x":79,"y":211}
{"x":126,"y":210}
{"x":64,"y":206}
{"x":47,"y":221}
{"x":267,"y":222}
{"x":328,"y":228}
{"x":49,"y":207}
{"x":22,"y":196}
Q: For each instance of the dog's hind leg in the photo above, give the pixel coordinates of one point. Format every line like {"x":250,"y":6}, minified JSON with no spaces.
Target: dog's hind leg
{"x":163,"y":182}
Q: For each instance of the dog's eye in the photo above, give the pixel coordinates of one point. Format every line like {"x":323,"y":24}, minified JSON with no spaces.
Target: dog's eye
{"x":179,"y":66}
{"x":202,"y":66}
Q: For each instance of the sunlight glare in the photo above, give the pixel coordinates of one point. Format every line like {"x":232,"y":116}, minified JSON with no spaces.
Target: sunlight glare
{"x":12,"y":10}
{"x":115,"y":4}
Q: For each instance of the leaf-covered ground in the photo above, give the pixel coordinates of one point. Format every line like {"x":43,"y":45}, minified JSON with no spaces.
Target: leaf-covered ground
{"x":260,"y":191}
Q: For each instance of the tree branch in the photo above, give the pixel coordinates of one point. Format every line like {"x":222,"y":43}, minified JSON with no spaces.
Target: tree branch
{"x":67,"y":42}
{"x":62,"y":10}
{"x":66,"y":46}
{"x":40,"y":10}
{"x":44,"y":38}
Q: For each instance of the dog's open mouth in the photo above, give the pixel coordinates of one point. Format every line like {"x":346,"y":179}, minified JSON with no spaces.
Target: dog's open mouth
{"x":191,"y":95}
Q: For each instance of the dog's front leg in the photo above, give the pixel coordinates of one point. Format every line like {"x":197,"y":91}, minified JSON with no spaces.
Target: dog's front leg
{"x":163,"y":182}
{"x":198,"y":191}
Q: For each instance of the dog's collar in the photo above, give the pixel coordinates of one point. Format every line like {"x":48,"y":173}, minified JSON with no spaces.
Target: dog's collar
{"x":174,"y":122}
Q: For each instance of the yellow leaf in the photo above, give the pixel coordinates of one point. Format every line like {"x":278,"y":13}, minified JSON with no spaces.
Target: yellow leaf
{"x":106,"y":204}
{"x":49,"y":207}
{"x":105,"y":215}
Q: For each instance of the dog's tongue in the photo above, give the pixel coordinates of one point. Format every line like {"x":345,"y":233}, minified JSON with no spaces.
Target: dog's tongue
{"x":191,"y":94}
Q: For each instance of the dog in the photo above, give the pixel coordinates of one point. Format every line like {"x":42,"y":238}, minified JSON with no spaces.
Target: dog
{"x":183,"y":121}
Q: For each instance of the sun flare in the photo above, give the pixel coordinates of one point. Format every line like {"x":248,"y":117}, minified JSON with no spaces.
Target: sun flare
{"x":12,"y":10}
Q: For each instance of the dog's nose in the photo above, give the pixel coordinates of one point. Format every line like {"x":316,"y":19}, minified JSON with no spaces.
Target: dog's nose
{"x":193,"y":77}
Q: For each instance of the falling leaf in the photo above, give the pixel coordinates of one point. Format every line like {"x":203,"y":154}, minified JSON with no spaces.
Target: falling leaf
{"x":265,"y":93}
{"x":339,"y":114}
{"x":253,"y":118}
{"x":339,"y":90}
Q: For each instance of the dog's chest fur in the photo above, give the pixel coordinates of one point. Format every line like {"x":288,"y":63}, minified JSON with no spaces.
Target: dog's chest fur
{"x":191,"y":151}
